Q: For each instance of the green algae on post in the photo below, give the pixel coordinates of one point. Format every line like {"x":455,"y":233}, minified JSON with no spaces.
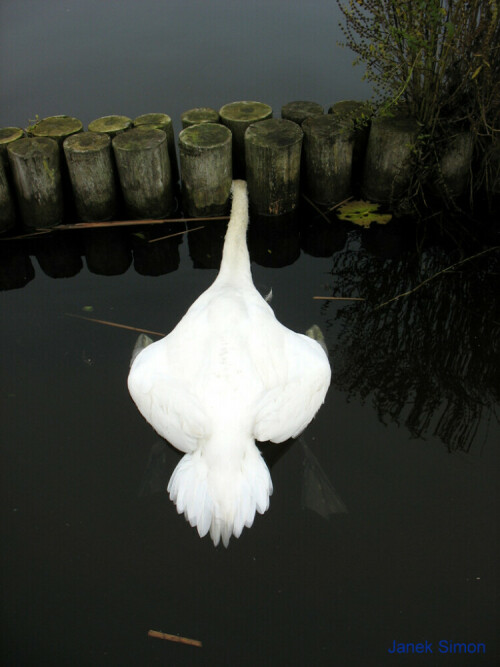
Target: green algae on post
{"x":199,"y":115}
{"x":56,"y":127}
{"x":111,"y":125}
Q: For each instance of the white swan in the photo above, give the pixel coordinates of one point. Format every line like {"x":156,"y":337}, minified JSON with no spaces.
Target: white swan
{"x":227,"y":375}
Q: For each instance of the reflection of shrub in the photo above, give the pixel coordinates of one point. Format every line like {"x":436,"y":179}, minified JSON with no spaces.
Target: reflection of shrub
{"x":437,"y":60}
{"x":429,"y":359}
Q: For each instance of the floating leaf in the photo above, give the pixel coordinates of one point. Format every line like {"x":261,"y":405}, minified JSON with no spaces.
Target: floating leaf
{"x":88,"y":309}
{"x":363,"y":213}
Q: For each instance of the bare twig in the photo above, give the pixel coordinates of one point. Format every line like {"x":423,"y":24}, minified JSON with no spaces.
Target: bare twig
{"x":427,"y":280}
{"x":332,"y":208}
{"x":341,"y":203}
{"x":174,"y":638}
{"x":169,"y":236}
{"x":311,"y":203}
{"x":114,"y":324}
{"x":28,"y":235}
{"x":131,"y":223}
{"x":339,"y":298}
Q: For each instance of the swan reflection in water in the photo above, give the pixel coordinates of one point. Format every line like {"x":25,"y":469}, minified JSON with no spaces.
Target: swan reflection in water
{"x":317,"y":491}
{"x":229,"y":374}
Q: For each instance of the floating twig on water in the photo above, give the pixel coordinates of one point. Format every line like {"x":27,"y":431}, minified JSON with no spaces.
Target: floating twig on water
{"x":115,"y":324}
{"x":174,"y":638}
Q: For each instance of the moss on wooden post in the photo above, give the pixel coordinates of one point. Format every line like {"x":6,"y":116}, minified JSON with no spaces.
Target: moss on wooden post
{"x":35,"y":166}
{"x":111,"y":125}
{"x":299,"y":111}
{"x":7,"y":136}
{"x":162,"y":121}
{"x":237,"y":116}
{"x":328,"y":151}
{"x":206,"y":167}
{"x":388,"y":162}
{"x":7,"y":205}
{"x":273,"y":149}
{"x":90,"y":165}
{"x":56,"y":127}
{"x":199,"y":115}
{"x":144,"y":170}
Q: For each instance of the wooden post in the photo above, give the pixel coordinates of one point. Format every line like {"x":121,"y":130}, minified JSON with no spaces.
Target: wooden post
{"x":272,"y":150}
{"x":237,"y":116}
{"x":35,"y":166}
{"x":199,"y":115}
{"x":387,"y":168}
{"x":299,"y":111}
{"x":7,"y":209}
{"x":161,"y":121}
{"x":56,"y":127}
{"x":111,"y":125}
{"x":328,"y":150}
{"x":144,"y":169}
{"x":7,"y":136}
{"x":455,"y":163}
{"x":7,"y":203}
{"x":205,"y":153}
{"x":90,"y":165}
{"x":358,"y":116}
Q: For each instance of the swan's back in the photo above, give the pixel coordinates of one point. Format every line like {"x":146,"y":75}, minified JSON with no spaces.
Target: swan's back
{"x":227,"y":375}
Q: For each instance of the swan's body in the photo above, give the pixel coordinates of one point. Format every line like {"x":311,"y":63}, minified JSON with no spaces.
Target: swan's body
{"x":227,"y":375}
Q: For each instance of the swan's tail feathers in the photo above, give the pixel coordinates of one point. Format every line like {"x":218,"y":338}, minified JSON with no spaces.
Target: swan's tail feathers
{"x":221,"y":501}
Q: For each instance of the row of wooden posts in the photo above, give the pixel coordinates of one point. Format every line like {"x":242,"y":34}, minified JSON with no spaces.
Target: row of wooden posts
{"x":324,"y":155}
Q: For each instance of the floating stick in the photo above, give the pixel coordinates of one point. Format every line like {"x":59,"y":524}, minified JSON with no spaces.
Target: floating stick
{"x":114,"y":324}
{"x":174,"y":638}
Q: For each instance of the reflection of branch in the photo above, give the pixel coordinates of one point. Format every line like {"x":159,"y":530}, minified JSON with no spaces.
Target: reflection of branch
{"x":169,"y":236}
{"x":339,"y":298}
{"x":427,"y":280}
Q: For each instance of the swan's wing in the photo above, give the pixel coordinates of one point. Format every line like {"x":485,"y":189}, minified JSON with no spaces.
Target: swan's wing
{"x":164,"y":399}
{"x":286,"y":409}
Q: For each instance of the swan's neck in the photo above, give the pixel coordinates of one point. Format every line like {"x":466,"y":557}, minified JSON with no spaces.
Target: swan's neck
{"x":235,"y":263}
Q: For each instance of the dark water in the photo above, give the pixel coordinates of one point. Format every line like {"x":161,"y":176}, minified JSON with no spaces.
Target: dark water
{"x":383,"y":522}
{"x":94,"y":554}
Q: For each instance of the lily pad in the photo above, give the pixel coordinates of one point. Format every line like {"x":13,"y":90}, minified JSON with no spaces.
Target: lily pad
{"x":363,"y":213}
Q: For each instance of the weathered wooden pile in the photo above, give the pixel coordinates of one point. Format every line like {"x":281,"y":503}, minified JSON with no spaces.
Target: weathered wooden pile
{"x":55,"y":169}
